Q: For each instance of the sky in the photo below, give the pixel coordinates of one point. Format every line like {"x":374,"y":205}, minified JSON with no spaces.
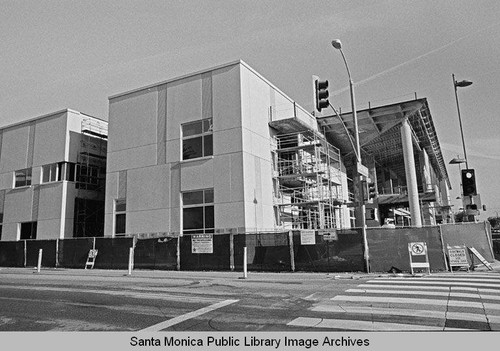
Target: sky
{"x":62,"y":54}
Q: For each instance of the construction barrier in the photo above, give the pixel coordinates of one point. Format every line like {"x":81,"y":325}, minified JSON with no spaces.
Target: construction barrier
{"x":12,"y":253}
{"x":342,"y":254}
{"x":388,"y":248}
{"x":49,"y":248}
{"x":157,"y":253}
{"x":476,"y":235}
{"x":306,"y":250}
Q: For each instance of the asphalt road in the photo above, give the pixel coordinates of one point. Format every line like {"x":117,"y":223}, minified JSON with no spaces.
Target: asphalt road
{"x":102,"y":300}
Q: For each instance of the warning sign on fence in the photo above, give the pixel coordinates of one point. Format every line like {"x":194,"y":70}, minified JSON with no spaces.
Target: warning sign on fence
{"x":418,"y":256}
{"x":458,"y":256}
{"x":202,"y":243}
{"x":307,"y":237}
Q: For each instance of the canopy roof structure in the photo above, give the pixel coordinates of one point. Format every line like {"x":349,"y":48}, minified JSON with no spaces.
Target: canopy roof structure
{"x":380,"y":136}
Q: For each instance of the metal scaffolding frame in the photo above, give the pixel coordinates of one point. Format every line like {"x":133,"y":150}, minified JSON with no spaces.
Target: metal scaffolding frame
{"x":91,"y":178}
{"x":306,"y":181}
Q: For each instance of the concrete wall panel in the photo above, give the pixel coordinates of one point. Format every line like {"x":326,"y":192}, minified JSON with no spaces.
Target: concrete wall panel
{"x":9,"y":232}
{"x":132,"y":120}
{"x":256,"y":100}
{"x":228,"y":141}
{"x":197,"y":175}
{"x":184,"y":104}
{"x":14,"y":148}
{"x":151,"y":221}
{"x":229,"y":215}
{"x":50,"y":203}
{"x":18,"y":205}
{"x":132,"y":158}
{"x":226,"y":98}
{"x":173,"y":149}
{"x":148,"y":188}
{"x":50,"y":140}
{"x":48,"y":229}
{"x":111,"y":191}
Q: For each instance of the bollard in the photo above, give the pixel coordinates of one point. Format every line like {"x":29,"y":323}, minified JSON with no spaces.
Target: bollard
{"x":245,"y":262}
{"x":130,"y":260}
{"x":39,"y":260}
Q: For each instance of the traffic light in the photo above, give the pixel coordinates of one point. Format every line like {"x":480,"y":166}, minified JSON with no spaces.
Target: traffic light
{"x":321,"y":94}
{"x":372,"y":190}
{"x":469,"y":182}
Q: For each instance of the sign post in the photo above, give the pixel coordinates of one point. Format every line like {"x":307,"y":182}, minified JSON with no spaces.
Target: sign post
{"x":418,"y":256}
{"x":39,"y":260}
{"x":457,"y":256}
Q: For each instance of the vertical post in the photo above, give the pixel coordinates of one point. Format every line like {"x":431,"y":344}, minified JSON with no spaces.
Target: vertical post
{"x":39,"y":266}
{"x":292,"y":256}
{"x":245,"y":262}
{"x":231,"y":252}
{"x":179,"y":252}
{"x":57,"y":252}
{"x":130,"y":260}
{"x":25,"y":252}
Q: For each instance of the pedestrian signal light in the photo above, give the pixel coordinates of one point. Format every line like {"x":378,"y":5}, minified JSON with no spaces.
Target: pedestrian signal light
{"x":469,"y":182}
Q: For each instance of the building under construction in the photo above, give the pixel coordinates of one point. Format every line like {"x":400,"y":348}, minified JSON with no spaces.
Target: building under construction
{"x":52,"y":171}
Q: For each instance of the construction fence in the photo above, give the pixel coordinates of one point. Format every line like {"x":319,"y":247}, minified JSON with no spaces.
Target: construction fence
{"x":341,"y":250}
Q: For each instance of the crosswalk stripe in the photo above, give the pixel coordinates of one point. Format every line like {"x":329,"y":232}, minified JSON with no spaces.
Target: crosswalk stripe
{"x":416,"y":303}
{"x":369,"y":310}
{"x":361,"y":325}
{"x":419,"y":301}
{"x":425,"y":293}
{"x":447,"y":288}
{"x":423,"y":282}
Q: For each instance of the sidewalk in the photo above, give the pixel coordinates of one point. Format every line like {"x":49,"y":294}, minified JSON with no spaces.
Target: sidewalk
{"x":266,"y":276}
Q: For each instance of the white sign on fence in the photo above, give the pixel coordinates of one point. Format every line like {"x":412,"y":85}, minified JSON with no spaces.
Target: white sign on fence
{"x":418,"y":249}
{"x":307,"y":237}
{"x":202,"y":243}
{"x":458,"y":256}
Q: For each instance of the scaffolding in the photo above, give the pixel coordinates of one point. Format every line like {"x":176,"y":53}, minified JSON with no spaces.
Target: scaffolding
{"x":307,"y":181}
{"x":91,"y":179}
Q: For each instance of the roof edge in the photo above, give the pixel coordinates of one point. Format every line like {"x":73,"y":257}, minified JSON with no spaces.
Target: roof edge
{"x":177,"y":78}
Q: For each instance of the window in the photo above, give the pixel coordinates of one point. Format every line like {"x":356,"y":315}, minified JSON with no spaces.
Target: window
{"x":28,"y":230}
{"x":55,"y":172}
{"x":51,"y":173}
{"x":198,"y":211}
{"x":22,"y":177}
{"x":120,"y":216}
{"x":197,"y":139}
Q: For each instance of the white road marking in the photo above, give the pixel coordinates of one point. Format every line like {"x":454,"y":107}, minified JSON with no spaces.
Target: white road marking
{"x":441,"y":282}
{"x":360,"y":325}
{"x":473,"y":317}
{"x":419,"y":301}
{"x":185,"y":317}
{"x":425,"y":293}
{"x":447,"y":288}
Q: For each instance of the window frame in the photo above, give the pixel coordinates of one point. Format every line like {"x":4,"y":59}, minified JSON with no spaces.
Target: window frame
{"x":120,"y":212}
{"x":207,"y":206}
{"x":27,"y":174}
{"x":203,"y":133}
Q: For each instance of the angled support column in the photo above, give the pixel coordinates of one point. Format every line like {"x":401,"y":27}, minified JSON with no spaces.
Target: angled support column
{"x":411,"y":174}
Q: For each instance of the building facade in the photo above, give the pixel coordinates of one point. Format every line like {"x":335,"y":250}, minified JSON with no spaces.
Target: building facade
{"x":52,"y":177}
{"x":218,"y":152}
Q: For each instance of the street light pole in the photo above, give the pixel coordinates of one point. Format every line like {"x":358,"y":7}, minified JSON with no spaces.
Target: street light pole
{"x":463,"y":83}
{"x":358,"y":195}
